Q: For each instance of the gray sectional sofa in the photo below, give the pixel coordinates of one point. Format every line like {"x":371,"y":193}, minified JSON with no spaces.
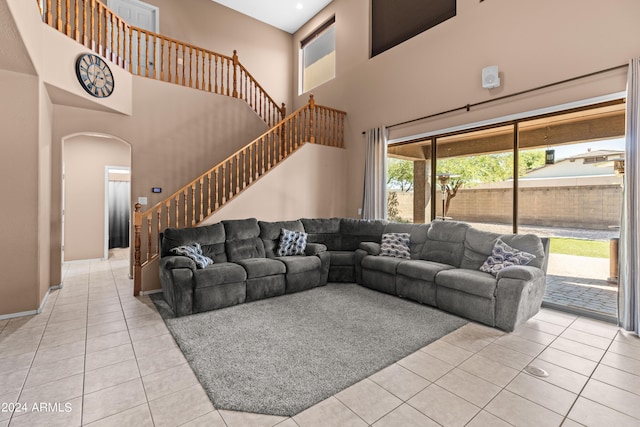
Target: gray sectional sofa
{"x":442,"y":271}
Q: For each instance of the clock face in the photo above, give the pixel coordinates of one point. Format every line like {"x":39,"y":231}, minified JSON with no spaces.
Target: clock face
{"x":94,"y":75}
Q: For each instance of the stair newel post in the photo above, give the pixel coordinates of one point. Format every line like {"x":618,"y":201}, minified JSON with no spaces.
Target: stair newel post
{"x":235,"y":74}
{"x":137,"y":266}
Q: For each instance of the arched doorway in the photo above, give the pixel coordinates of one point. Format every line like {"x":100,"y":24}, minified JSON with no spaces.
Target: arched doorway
{"x":95,"y":187}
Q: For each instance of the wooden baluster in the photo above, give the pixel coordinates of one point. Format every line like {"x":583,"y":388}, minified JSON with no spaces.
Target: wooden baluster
{"x":228,"y":65}
{"x":85,"y":17}
{"x":256,"y":165}
{"x":209,"y":194}
{"x":183,"y":63}
{"x":152,"y":61}
{"x":146,"y":53}
{"x":231,"y":193}
{"x":204,"y":79}
{"x":193,"y":204}
{"x":177,"y":210}
{"x":168,"y":213}
{"x":59,"y":15}
{"x":112,"y":30}
{"x":185,"y":198}
{"x":224,"y":185}
{"x":210,"y":72}
{"x":215,"y":75}
{"x":68,"y":18}
{"x":138,"y":59}
{"x":216,"y":179}
{"x":76,"y":22}
{"x":169,"y":60}
{"x":190,"y":66}
{"x":197,"y":68}
{"x":99,"y":41}
{"x":237,"y":173}
{"x":249,"y":163}
{"x":130,"y":48}
{"x":149,"y":236}
{"x":244,"y":168}
{"x":161,"y":58}
{"x":49,"y":14}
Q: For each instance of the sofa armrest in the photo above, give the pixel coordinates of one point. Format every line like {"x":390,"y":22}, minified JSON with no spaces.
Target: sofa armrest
{"x":520,"y":272}
{"x":177,"y":261}
{"x":314,"y":249}
{"x":371,"y":248}
{"x":517,"y":299}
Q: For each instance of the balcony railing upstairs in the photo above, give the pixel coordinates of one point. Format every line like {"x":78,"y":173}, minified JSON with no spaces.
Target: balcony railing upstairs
{"x":152,"y":55}
{"x":206,"y":194}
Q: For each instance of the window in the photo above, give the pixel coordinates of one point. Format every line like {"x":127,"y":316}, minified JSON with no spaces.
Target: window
{"x":318,"y":57}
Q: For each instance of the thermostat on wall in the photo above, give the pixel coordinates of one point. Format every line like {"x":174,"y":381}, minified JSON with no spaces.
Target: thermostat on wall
{"x":156,"y":190}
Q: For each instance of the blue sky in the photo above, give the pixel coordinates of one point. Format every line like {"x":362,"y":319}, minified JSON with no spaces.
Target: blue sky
{"x":564,"y":151}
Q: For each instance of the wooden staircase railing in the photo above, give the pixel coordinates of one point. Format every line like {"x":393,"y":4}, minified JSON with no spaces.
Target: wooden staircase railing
{"x":152,"y":55}
{"x":206,"y":194}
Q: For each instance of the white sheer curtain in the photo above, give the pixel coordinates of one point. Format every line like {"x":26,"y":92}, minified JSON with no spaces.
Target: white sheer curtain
{"x":629,"y":255}
{"x":374,"y":205}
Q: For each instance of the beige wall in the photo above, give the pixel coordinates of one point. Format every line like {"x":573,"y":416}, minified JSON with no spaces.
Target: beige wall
{"x":533,"y":43}
{"x":19,"y":163}
{"x":44,"y":192}
{"x":264,"y":50}
{"x":85,"y":159}
{"x":309,"y":183}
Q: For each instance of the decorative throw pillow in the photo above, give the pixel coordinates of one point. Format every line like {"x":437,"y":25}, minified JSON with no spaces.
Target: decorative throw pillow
{"x":396,"y":245}
{"x":193,"y":251}
{"x":292,"y":243}
{"x":503,"y":256}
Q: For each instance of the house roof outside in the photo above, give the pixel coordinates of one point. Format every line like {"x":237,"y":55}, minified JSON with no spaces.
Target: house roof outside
{"x":589,"y":164}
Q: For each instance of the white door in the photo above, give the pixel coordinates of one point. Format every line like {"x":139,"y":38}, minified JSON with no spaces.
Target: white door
{"x":142,"y":15}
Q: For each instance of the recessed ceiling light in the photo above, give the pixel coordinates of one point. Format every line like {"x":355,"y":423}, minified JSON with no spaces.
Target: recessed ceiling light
{"x":299,"y":6}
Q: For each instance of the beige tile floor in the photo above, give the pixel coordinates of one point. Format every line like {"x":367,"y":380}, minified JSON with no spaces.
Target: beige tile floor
{"x":98,"y":356}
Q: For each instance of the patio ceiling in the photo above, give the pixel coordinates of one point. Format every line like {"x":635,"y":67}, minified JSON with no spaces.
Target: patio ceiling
{"x":598,"y":123}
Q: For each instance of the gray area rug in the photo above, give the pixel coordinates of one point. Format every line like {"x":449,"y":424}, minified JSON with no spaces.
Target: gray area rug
{"x":281,"y":355}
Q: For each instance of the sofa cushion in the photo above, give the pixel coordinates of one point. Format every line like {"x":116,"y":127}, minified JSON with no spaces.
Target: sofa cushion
{"x":243,"y":241}
{"x":356,"y":231}
{"x":342,"y":258}
{"x":470,"y":281}
{"x":387,"y":265}
{"x":423,"y":270}
{"x":445,"y":242}
{"x":210,"y":237}
{"x":292,"y":243}
{"x":300,"y":264}
{"x":478,"y":245}
{"x":262,"y":267}
{"x":418,"y":234}
{"x":194,"y":252}
{"x":395,"y":245}
{"x":219,"y":274}
{"x":503,"y":256}
{"x":527,"y":243}
{"x":323,"y":230}
{"x":270,"y":233}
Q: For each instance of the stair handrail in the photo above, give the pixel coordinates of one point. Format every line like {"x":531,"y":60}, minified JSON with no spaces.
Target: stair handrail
{"x":205,"y":195}
{"x":94,"y":25}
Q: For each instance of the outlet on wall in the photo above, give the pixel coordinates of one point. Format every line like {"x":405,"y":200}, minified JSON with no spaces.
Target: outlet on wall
{"x":359,"y":211}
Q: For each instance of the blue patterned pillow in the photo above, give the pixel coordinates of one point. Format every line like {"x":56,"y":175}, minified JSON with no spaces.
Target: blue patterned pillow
{"x":396,"y":245}
{"x":193,"y":251}
{"x":292,"y":243}
{"x":503,"y":256}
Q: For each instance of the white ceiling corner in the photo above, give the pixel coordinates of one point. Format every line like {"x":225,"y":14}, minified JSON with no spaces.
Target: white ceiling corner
{"x":288,"y":15}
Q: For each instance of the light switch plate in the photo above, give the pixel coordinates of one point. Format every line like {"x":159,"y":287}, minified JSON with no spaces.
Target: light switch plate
{"x":142,"y":200}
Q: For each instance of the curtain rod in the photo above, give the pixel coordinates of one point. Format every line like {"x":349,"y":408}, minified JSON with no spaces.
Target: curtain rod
{"x":469,"y":106}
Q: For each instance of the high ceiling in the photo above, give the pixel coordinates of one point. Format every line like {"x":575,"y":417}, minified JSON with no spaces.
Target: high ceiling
{"x":288,"y":15}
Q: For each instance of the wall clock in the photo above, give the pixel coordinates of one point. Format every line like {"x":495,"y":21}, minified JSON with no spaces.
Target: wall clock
{"x":94,"y":75}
